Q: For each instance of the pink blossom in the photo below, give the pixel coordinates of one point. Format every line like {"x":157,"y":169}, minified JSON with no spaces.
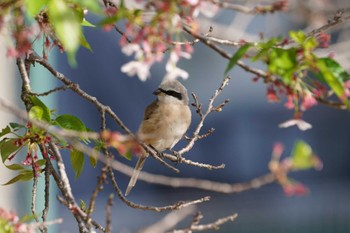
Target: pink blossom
{"x":271,"y":95}
{"x":295,"y":189}
{"x":308,"y":102}
{"x":192,"y":2}
{"x":277,"y":150}
{"x":301,"y":124}
{"x":324,"y":40}
{"x":290,"y":102}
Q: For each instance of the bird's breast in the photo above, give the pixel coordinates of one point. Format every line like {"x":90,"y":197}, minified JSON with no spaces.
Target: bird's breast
{"x":165,"y":127}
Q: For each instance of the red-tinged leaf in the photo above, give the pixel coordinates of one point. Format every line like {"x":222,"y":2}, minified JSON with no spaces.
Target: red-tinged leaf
{"x":238,"y":55}
{"x":23,"y":176}
{"x":77,"y":160}
{"x":8,"y":147}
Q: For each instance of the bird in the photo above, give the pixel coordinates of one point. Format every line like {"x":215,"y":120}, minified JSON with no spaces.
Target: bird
{"x":165,"y":122}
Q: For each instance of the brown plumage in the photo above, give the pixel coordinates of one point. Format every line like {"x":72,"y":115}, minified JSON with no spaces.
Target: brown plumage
{"x":165,"y":121}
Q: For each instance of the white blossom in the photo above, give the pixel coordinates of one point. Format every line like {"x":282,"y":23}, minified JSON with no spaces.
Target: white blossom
{"x":207,"y":9}
{"x":301,"y":124}
{"x":137,"y":67}
{"x":131,"y":49}
{"x":173,"y":72}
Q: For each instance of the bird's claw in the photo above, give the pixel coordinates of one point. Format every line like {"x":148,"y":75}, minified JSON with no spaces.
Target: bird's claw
{"x":178,"y":156}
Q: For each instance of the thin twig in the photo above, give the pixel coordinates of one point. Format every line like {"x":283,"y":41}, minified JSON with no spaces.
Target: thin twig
{"x":176,"y":206}
{"x":34,"y":190}
{"x":109,"y":213}
{"x":202,"y":117}
{"x":25,"y":83}
{"x":169,"y":221}
{"x":224,"y":54}
{"x":47,"y":192}
{"x":62,"y":88}
{"x":195,"y":226}
{"x":76,"y":210}
{"x":337,"y":19}
{"x":101,"y":180}
{"x":64,"y":185}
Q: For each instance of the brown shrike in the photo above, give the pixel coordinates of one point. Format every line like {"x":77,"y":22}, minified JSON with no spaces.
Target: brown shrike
{"x":164,"y":123}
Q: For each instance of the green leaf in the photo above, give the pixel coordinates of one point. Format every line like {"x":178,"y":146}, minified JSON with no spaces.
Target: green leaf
{"x":16,"y":126}
{"x":82,"y":205}
{"x":234,"y":59}
{"x":34,"y":6}
{"x":28,"y":217}
{"x":5,"y":131}
{"x":71,"y":122}
{"x":77,"y":160}
{"x":298,"y":36}
{"x":91,"y":5}
{"x":128,"y":155}
{"x":8,"y":147}
{"x":93,"y":159}
{"x":86,"y":23}
{"x":302,"y":156}
{"x":283,"y":62}
{"x":36,"y":113}
{"x":66,"y":23}
{"x":327,"y":74}
{"x":15,"y":167}
{"x":337,"y":70}
{"x":46,"y":111}
{"x":25,"y":175}
{"x":84,"y":43}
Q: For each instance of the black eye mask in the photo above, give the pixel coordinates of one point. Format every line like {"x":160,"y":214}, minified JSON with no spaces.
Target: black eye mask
{"x":175,"y":94}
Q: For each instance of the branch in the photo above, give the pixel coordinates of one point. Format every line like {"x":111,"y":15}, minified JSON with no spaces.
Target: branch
{"x":195,"y":226}
{"x":202,"y":184}
{"x":263,"y":9}
{"x":224,"y":54}
{"x":176,"y":206}
{"x":64,"y":185}
{"x":109,"y":213}
{"x":337,"y":19}
{"x":202,"y":116}
{"x":47,"y":191}
{"x":168,"y":221}
{"x":62,"y":88}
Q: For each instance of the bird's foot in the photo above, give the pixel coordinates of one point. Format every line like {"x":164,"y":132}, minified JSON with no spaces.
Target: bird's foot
{"x":178,"y":156}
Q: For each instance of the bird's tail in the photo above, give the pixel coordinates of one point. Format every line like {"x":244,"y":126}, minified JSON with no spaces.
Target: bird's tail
{"x":135,"y":174}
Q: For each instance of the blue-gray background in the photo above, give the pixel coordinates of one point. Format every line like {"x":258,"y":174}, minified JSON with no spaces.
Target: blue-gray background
{"x":245,"y":132}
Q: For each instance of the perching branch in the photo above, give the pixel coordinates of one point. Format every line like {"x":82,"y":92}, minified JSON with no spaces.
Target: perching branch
{"x":195,"y":226}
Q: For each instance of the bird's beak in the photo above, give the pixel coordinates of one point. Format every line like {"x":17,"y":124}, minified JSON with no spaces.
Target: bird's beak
{"x":157,"y":92}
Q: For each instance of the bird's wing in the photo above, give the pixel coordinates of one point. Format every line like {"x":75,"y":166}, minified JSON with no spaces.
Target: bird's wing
{"x":150,"y":110}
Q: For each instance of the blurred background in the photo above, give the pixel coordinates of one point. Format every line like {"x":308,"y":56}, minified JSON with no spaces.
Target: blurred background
{"x":246,"y":131}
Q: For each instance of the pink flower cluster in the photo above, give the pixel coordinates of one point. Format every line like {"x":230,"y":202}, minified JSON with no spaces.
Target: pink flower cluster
{"x":147,"y":38}
{"x":10,"y":222}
